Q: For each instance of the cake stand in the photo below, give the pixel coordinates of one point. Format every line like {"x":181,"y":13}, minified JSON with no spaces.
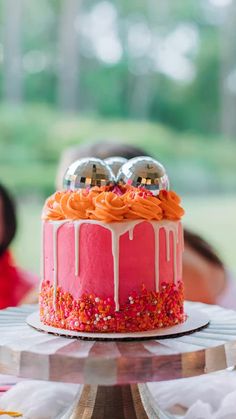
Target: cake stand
{"x":113,"y":373}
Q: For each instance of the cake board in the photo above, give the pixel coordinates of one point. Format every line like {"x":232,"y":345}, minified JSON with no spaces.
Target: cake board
{"x":195,"y":321}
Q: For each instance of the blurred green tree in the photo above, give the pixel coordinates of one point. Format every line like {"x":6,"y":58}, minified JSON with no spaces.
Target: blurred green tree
{"x":156,"y":60}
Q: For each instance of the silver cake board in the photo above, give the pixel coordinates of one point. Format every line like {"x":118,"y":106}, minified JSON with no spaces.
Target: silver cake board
{"x":195,"y":321}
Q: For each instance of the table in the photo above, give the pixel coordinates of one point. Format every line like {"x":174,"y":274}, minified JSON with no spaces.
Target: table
{"x":113,"y":373}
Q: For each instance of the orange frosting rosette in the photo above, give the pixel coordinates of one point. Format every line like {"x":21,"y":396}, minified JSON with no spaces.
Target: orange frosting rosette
{"x":52,"y":208}
{"x":108,"y":207}
{"x":142,"y":205}
{"x":170,"y":205}
{"x":75,"y":205}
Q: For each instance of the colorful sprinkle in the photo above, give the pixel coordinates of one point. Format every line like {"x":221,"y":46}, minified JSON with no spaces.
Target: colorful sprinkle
{"x":147,"y":310}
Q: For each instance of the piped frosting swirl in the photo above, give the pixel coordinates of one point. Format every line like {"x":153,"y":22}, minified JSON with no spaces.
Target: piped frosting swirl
{"x":108,"y":207}
{"x":76,"y":204}
{"x":142,"y":205}
{"x":170,"y":205}
{"x":112,"y":205}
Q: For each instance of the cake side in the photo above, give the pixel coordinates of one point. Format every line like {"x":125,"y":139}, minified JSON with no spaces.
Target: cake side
{"x":112,"y":277}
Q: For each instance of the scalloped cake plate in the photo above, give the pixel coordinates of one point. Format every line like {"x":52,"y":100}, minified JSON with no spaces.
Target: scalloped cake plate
{"x":196,"y":320}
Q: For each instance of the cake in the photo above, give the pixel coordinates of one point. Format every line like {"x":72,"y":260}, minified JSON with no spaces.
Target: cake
{"x":112,"y":259}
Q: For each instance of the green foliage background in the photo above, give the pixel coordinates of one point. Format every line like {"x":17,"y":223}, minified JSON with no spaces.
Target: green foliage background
{"x":32,"y":139}
{"x":106,"y":90}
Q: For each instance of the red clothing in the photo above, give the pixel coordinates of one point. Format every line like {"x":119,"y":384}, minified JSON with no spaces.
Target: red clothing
{"x":14,"y":283}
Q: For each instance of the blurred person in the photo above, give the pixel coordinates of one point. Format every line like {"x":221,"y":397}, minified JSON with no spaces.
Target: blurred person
{"x":205,"y":277}
{"x":14,"y":282}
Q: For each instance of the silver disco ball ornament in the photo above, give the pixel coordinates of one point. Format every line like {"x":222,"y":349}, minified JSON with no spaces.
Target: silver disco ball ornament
{"x":88,"y":172}
{"x":115,"y":163}
{"x":145,"y":172}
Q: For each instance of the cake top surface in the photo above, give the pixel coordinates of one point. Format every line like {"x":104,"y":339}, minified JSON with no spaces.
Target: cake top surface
{"x":93,"y":191}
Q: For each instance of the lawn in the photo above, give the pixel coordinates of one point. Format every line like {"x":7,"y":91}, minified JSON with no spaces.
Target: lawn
{"x":213,"y":217}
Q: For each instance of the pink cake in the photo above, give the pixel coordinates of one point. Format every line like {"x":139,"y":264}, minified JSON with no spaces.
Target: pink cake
{"x":112,"y":260}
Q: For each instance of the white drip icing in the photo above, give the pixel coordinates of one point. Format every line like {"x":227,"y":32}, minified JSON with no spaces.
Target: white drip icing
{"x":56,"y":226}
{"x":42,"y":252}
{"x":77,"y":241}
{"x":181,"y":243}
{"x":131,"y":233}
{"x":167,"y":231}
{"x":181,"y":236}
{"x":156,"y":227}
{"x":173,"y":228}
{"x":117,"y":230}
{"x":175,"y":238}
{"x":115,"y":253}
